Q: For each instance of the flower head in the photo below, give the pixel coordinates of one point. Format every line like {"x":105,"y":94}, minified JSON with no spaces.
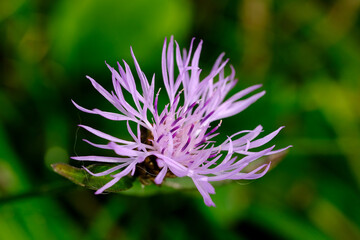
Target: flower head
{"x":177,"y":141}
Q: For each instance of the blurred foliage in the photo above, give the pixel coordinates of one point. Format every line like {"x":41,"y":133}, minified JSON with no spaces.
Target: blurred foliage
{"x":306,"y":54}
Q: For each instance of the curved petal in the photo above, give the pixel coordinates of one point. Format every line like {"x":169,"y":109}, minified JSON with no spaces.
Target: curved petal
{"x":203,"y":187}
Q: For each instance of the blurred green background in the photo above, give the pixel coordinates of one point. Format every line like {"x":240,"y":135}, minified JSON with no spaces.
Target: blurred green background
{"x":305,"y":53}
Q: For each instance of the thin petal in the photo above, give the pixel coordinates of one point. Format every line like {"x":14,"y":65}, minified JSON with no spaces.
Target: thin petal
{"x":104,"y":135}
{"x":205,"y":194}
{"x":106,"y":172}
{"x":101,"y":159}
{"x":108,"y":115}
{"x":266,"y":139}
{"x":108,"y":185}
{"x":160,"y":177}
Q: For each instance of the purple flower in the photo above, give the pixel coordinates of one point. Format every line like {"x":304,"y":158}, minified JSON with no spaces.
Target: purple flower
{"x":177,"y":140}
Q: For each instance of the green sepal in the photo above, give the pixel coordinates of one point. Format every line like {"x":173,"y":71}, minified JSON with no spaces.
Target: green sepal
{"x":81,"y":177}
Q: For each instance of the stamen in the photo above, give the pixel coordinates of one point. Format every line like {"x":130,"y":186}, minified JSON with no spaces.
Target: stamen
{"x":191,"y":129}
{"x":191,"y":107}
{"x":214,"y":129}
{"x":174,"y":129}
{"x":187,"y":144}
{"x":161,"y":136}
{"x":206,"y":103}
{"x":163,"y":119}
{"x":177,"y":96}
{"x":201,"y":142}
{"x":213,"y":155}
{"x":156,"y":101}
{"x":207,"y":116}
{"x":176,"y":121}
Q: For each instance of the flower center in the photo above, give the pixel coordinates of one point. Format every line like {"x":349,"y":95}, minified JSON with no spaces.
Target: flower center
{"x":149,"y":169}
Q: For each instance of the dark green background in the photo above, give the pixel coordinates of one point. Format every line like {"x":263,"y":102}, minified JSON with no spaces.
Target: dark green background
{"x":305,"y":53}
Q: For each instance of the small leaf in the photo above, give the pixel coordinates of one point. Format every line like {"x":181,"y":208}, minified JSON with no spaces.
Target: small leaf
{"x":81,"y":177}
